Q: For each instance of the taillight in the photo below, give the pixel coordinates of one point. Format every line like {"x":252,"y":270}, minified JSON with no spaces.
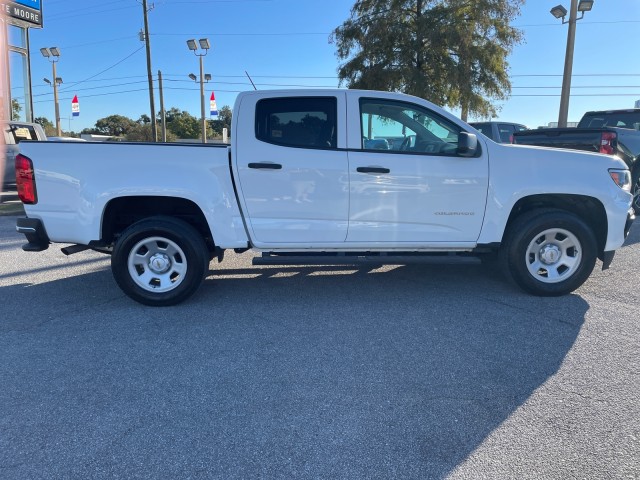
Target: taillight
{"x":606,"y":142}
{"x":25,"y":180}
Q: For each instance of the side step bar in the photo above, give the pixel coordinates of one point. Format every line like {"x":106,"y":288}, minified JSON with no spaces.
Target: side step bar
{"x":370,"y":258}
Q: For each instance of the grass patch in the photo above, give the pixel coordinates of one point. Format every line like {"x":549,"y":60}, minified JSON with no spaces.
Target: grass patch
{"x":11,"y":208}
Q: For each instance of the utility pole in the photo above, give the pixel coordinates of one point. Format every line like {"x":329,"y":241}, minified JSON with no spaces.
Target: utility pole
{"x":202,"y":116}
{"x":163,"y":118}
{"x":154,"y":127}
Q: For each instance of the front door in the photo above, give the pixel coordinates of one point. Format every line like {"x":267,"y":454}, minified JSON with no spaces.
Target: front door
{"x":408,"y":184}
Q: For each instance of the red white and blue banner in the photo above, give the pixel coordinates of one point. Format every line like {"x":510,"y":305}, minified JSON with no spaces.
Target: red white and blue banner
{"x":75,"y":106}
{"x":212,"y":106}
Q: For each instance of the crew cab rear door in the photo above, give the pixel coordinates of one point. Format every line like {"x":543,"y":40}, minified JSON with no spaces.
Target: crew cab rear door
{"x":292,"y":168}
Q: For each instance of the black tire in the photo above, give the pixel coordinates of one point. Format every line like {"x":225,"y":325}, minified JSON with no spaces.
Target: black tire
{"x":160,"y":261}
{"x":549,"y":252}
{"x":635,"y":188}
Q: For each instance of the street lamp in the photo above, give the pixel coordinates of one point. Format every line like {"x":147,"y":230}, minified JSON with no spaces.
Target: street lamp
{"x":53,"y":55}
{"x":204,"y":45}
{"x":560,"y":12}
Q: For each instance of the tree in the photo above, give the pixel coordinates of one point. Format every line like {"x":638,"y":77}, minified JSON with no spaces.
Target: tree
{"x":142,"y":133}
{"x":144,"y":119}
{"x":223,"y":121}
{"x":114,"y":125}
{"x":47,"y":125}
{"x":16,"y":108}
{"x":184,"y":125}
{"x":451,"y":52}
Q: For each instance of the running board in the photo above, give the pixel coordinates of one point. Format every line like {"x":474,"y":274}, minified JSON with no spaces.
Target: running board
{"x":371,"y":258}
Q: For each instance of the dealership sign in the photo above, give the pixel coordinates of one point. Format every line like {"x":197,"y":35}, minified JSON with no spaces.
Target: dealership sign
{"x":29,"y":12}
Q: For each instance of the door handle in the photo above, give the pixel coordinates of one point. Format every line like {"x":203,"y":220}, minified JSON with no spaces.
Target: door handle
{"x":265,"y":166}
{"x":372,"y":170}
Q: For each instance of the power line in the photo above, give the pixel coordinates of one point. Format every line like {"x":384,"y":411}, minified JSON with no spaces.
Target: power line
{"x":106,"y":69}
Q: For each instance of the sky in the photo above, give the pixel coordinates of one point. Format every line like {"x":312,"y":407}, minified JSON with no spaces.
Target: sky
{"x":285,"y":43}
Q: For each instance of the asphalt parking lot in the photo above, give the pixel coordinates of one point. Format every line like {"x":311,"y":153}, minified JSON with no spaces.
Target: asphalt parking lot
{"x":405,"y":372}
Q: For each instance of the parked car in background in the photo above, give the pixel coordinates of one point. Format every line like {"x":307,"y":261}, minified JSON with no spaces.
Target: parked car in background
{"x":501,"y":132}
{"x":14,"y":133}
{"x":612,"y":132}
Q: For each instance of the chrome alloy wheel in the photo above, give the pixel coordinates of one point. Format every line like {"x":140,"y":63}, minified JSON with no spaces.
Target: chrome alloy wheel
{"x":157,"y":264}
{"x":553,"y":255}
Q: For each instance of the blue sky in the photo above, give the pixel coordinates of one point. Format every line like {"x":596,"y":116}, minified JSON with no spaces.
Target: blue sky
{"x":284,"y":43}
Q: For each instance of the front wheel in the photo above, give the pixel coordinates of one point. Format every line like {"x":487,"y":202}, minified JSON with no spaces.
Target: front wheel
{"x":549,"y":252}
{"x":160,"y":261}
{"x":635,"y":189}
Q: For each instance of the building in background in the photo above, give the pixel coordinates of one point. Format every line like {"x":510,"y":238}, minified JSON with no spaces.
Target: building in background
{"x":18,"y":17}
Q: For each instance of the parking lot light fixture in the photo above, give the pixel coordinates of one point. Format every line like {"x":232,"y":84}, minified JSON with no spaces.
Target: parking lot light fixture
{"x":192,"y":77}
{"x":204,"y":46}
{"x":559,"y":12}
{"x":53,"y":55}
{"x":585,"y":5}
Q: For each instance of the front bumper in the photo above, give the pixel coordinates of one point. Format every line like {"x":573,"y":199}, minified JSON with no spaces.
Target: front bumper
{"x":630,"y":218}
{"x":34,"y":230}
{"x":607,"y":257}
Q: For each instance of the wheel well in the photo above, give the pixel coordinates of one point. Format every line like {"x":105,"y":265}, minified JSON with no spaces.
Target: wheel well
{"x":122,"y":212}
{"x":589,"y":209}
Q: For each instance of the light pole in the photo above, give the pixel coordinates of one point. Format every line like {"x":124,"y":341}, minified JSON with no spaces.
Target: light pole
{"x":53,"y":55}
{"x":204,"y":45}
{"x":560,"y":12}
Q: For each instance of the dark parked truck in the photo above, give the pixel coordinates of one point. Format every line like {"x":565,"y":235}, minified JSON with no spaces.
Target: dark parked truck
{"x":612,"y":132}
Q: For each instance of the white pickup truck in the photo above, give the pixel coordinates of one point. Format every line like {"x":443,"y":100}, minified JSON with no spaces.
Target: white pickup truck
{"x":331,"y":176}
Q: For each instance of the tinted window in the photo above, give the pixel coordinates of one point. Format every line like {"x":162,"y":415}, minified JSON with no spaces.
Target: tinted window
{"x":483,"y":128}
{"x":614,"y":119}
{"x":298,"y":122}
{"x":17,"y":132}
{"x":506,"y":132}
{"x":405,"y":127}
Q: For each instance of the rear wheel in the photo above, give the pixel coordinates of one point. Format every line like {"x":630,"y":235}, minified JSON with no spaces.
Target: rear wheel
{"x":549,"y":252}
{"x":160,"y":261}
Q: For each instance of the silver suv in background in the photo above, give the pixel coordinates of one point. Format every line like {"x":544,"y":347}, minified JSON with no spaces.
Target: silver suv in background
{"x":501,"y":132}
{"x":14,"y":133}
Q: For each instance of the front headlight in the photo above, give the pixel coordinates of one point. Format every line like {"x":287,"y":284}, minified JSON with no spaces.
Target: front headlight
{"x":622,"y":178}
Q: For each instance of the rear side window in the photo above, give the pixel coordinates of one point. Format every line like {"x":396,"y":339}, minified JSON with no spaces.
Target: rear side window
{"x":483,"y":128}
{"x":16,"y":133}
{"x":506,"y":132}
{"x":308,"y":122}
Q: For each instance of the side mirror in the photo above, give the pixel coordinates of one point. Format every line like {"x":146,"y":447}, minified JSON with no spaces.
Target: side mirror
{"x":467,"y":144}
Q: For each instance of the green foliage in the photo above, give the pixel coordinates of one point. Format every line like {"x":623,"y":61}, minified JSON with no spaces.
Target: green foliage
{"x":451,"y":52}
{"x":47,"y":125}
{"x":223,"y":121}
{"x":184,"y":125}
{"x":16,"y":108}
{"x":142,"y":133}
{"x":114,"y":125}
